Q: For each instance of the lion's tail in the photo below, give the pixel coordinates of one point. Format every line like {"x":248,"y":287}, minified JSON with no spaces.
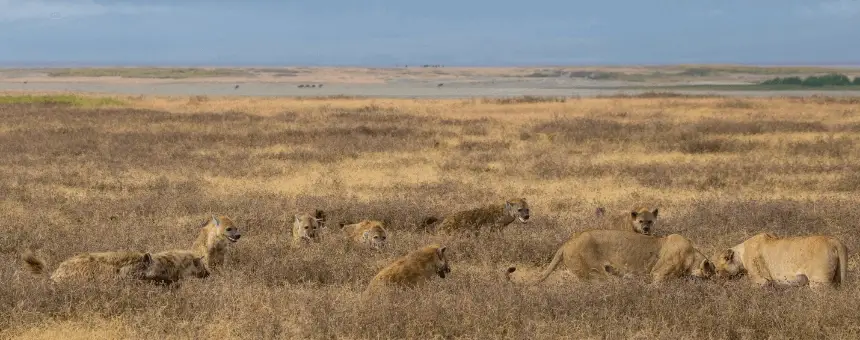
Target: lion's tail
{"x":843,"y":254}
{"x":34,"y":264}
{"x":559,"y":255}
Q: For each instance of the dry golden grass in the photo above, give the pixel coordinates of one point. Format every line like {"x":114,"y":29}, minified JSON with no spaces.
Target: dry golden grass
{"x":140,"y":173}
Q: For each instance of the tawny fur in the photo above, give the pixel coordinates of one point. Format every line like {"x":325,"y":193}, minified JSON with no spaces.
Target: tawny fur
{"x":493,"y":216}
{"x":306,"y":227}
{"x":640,"y":220}
{"x":768,"y":259}
{"x":368,"y":232}
{"x":174,"y":265}
{"x":600,"y":253}
{"x":96,"y":266}
{"x":214,"y":237}
{"x":163,"y":267}
{"x":414,"y":268}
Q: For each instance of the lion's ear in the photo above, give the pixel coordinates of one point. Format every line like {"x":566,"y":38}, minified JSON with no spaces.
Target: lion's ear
{"x":708,"y":266}
{"x":147,"y":258}
{"x":633,"y":214}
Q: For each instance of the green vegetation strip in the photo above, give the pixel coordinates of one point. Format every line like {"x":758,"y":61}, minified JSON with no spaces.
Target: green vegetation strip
{"x":62,"y":99}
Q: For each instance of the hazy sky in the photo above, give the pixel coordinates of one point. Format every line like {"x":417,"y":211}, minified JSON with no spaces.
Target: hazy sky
{"x":462,"y":32}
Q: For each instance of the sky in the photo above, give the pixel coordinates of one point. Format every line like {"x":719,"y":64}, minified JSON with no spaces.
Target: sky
{"x":453,"y":33}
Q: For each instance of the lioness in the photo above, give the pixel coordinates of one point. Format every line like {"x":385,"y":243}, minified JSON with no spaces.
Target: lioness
{"x":306,"y":228}
{"x":640,"y":220}
{"x":163,"y":267}
{"x":626,"y":254}
{"x":413,"y":268}
{"x":495,"y":216}
{"x":212,"y":240}
{"x":768,"y":259}
{"x":369,"y":232}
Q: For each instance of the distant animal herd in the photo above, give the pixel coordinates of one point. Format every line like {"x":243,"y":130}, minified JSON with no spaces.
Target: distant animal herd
{"x":623,"y":245}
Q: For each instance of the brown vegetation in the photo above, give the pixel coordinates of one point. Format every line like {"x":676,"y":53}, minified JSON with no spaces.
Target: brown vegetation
{"x":140,"y":173}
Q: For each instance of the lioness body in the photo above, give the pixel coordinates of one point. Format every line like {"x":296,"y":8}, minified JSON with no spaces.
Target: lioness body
{"x":413,"y":268}
{"x":625,"y":253}
{"x":494,"y":216}
{"x":369,"y":232}
{"x":214,"y":237}
{"x":768,"y":259}
{"x":640,"y":220}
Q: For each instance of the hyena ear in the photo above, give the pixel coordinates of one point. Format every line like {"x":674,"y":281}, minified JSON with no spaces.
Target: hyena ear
{"x":728,"y":255}
{"x":441,"y":252}
{"x":216,"y":221}
{"x":319,"y":214}
{"x":633,"y":214}
{"x":655,"y":212}
{"x":147,"y":259}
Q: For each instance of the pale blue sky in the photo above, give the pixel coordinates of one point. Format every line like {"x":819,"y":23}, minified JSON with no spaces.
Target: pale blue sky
{"x":464,"y":32}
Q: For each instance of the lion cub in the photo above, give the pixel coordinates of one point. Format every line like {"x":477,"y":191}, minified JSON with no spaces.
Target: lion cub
{"x":640,"y":220}
{"x":307,"y":228}
{"x":494,"y":216}
{"x":413,"y":268}
{"x":368,"y":232}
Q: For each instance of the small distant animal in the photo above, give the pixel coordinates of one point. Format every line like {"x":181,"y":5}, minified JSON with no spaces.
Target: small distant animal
{"x":301,"y":86}
{"x":440,"y":85}
{"x":237,"y":86}
{"x":313,"y":85}
{"x":320,"y":85}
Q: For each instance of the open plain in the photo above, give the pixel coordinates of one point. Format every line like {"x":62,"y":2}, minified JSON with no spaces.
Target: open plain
{"x":99,"y":172}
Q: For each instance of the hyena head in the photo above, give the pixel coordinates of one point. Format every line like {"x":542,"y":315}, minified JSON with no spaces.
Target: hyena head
{"x":224,"y":228}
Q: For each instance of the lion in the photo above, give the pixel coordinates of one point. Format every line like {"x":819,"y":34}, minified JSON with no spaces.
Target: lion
{"x":414,"y":268}
{"x":306,"y":228}
{"x":494,"y":216}
{"x":164,"y":267}
{"x":212,"y":240}
{"x":600,"y":253}
{"x":369,"y":232}
{"x":640,"y":220}
{"x":771,"y":260}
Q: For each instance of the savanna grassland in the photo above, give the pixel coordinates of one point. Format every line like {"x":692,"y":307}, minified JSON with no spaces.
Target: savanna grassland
{"x":84,"y":173}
